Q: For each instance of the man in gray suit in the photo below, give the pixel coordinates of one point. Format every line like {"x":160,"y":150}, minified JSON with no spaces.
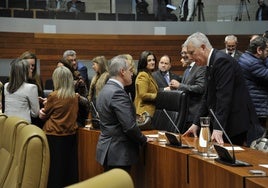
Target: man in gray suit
{"x":193,"y":82}
{"x":120,"y":138}
{"x":163,"y":75}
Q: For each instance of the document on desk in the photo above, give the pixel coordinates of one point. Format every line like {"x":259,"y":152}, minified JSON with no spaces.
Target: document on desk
{"x":236,"y":148}
{"x":264,"y":165}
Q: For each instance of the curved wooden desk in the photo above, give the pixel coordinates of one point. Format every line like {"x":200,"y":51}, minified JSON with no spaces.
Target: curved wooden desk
{"x":163,"y":166}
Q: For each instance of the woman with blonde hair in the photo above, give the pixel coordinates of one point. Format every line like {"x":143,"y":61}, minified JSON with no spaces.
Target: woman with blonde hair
{"x":100,"y":65}
{"x":60,"y":113}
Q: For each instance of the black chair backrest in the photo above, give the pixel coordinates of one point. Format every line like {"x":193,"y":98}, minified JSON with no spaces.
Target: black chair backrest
{"x":126,"y":17}
{"x":66,"y":15}
{"x":42,"y":14}
{"x":107,"y":16}
{"x":86,"y":16}
{"x":176,"y":105}
{"x":146,"y":17}
{"x":23,"y":13}
{"x":5,"y":13}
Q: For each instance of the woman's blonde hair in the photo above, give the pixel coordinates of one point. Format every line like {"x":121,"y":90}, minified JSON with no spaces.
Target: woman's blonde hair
{"x":63,"y":82}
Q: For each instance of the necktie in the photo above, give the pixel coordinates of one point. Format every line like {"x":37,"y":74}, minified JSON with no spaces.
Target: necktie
{"x":167,"y":78}
{"x":187,"y":71}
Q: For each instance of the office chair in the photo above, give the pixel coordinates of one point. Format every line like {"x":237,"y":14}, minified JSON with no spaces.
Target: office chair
{"x":23,"y":13}
{"x":115,"y":178}
{"x":65,"y":15}
{"x":146,"y":17}
{"x":86,"y":16}
{"x":176,"y":105}
{"x":126,"y":17}
{"x":42,"y":14}
{"x":5,"y":12}
{"x":107,"y":16}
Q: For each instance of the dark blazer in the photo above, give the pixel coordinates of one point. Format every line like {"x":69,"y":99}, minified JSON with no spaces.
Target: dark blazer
{"x":194,"y":85}
{"x":160,"y":80}
{"x":264,"y":15}
{"x":237,"y":54}
{"x":120,"y":138}
{"x":227,"y":95}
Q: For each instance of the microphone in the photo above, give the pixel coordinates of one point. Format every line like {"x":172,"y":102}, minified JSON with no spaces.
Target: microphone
{"x":172,"y":138}
{"x":223,"y":153}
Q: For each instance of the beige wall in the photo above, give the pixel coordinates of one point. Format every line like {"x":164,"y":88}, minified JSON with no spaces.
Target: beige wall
{"x":213,"y":9}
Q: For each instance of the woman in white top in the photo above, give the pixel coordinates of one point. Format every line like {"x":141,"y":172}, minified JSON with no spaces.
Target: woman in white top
{"x":21,"y":98}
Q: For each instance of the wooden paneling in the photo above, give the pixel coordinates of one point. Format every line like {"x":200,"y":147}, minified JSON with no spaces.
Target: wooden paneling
{"x":50,"y":47}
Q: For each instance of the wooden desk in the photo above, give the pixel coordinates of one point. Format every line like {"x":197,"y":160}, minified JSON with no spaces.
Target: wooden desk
{"x":159,"y":166}
{"x":162,"y":166}
{"x":207,"y":173}
{"x":87,"y":164}
{"x":257,"y":182}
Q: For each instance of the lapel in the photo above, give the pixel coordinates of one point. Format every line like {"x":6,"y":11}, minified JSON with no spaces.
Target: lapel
{"x":161,"y":77}
{"x":153,"y":80}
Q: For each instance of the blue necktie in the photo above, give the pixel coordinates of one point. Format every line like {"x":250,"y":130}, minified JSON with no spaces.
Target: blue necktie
{"x":187,"y":71}
{"x":166,"y":76}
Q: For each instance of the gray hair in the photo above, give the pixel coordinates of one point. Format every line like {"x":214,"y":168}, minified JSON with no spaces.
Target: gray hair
{"x":230,"y":37}
{"x":69,"y":53}
{"x":117,"y":64}
{"x":197,"y":39}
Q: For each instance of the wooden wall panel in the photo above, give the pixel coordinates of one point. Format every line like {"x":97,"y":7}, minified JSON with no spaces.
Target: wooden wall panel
{"x":50,"y":47}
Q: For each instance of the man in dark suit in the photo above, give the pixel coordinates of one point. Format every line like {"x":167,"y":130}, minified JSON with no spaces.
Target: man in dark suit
{"x":230,"y":47}
{"x":262,"y":12}
{"x":120,"y":138}
{"x":226,"y":93}
{"x":163,"y":75}
{"x":193,"y":82}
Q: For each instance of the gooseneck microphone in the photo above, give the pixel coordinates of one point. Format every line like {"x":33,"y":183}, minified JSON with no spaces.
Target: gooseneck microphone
{"x":223,"y":153}
{"x":173,"y":140}
{"x":172,"y":122}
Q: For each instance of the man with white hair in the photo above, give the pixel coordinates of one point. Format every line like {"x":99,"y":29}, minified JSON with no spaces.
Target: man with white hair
{"x":226,"y":94}
{"x":230,"y":47}
{"x":70,"y":55}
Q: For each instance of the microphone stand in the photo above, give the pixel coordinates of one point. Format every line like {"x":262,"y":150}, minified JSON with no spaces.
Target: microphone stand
{"x":224,"y":155}
{"x":172,"y":138}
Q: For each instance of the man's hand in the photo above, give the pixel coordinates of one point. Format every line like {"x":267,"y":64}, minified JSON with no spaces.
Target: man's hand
{"x":192,"y":131}
{"x":174,"y":84}
{"x":217,"y":136}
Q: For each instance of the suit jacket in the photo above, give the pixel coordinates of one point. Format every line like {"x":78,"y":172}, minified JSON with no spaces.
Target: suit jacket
{"x":227,"y":95}
{"x":146,"y":92}
{"x":194,"y":85}
{"x":160,"y":80}
{"x":237,"y":54}
{"x":264,"y":14}
{"x":120,"y":137}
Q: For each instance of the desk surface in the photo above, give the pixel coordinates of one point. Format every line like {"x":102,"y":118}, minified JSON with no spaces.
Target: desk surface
{"x":257,"y":182}
{"x":164,"y":166}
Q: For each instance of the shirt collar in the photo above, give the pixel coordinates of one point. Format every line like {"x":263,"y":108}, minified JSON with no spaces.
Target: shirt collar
{"x":209,"y":56}
{"x":116,"y":81}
